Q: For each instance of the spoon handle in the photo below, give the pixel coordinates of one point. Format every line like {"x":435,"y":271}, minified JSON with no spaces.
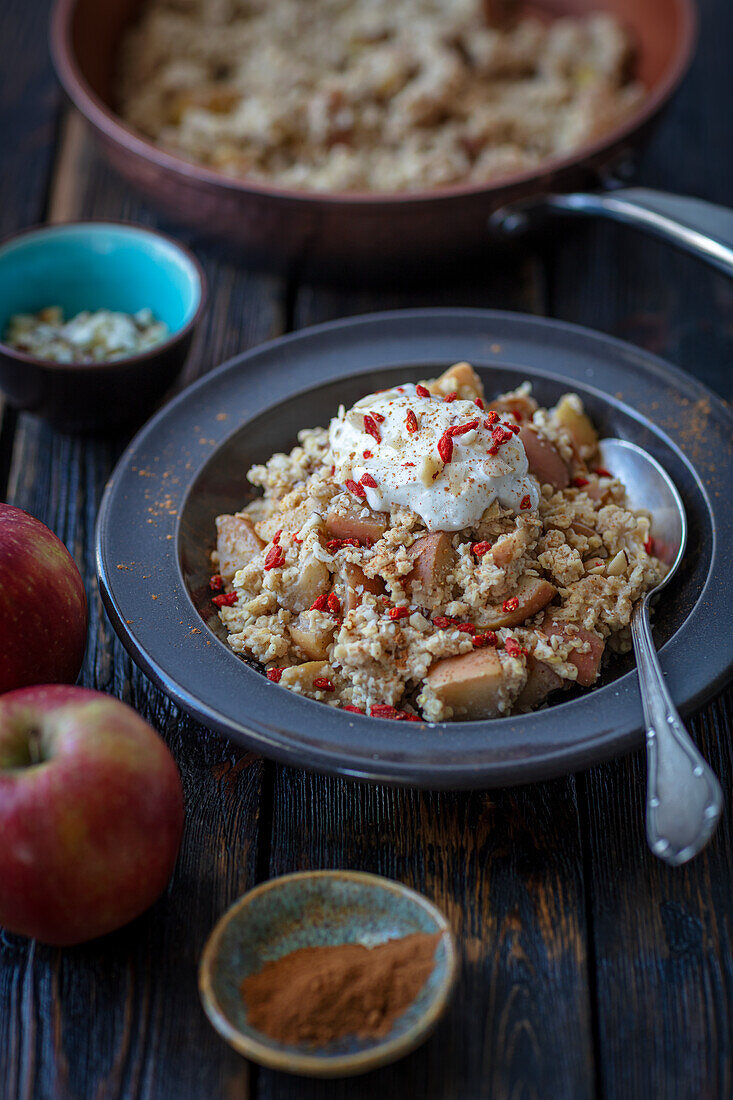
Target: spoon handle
{"x":684,"y":799}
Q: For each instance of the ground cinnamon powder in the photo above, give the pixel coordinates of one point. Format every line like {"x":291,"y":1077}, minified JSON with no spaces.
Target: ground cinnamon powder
{"x":317,"y":994}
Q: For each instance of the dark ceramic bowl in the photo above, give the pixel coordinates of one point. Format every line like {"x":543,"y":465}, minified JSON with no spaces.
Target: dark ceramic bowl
{"x":321,"y":909}
{"x":90,"y":266}
{"x":354,"y":235}
{"x":155,"y":534}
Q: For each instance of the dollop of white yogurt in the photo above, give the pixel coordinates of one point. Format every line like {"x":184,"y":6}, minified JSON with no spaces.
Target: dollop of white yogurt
{"x":410,"y":467}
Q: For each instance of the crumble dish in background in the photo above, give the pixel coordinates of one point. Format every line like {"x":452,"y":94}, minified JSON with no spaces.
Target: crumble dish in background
{"x":371,"y":95}
{"x":433,"y":556}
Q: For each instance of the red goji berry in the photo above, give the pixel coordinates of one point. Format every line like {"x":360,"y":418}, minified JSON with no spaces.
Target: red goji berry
{"x":445,"y":447}
{"x":487,"y":638}
{"x":450,"y":397}
{"x":513,"y":648}
{"x":370,"y":426}
{"x":579,"y":482}
{"x":227,"y":599}
{"x":422,"y":391}
{"x":367,"y":479}
{"x":411,"y":421}
{"x":334,"y":603}
{"x":480,"y":548}
{"x":354,"y":487}
{"x":274,"y":558}
{"x":510,"y":605}
{"x":383,"y":710}
{"x":275,"y":674}
{"x":461,"y":429}
{"x":320,"y":603}
{"x":353,"y":710}
{"x":322,"y":683}
{"x":396,"y":613}
{"x":216,"y":583}
{"x":525,"y":502}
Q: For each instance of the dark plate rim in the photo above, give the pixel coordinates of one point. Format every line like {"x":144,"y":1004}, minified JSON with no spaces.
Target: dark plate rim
{"x":157,"y":645}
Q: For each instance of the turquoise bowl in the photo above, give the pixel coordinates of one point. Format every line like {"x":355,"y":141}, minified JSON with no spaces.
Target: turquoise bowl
{"x":97,"y":265}
{"x":316,"y":909}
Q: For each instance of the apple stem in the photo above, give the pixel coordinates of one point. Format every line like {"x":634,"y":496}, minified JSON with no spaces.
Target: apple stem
{"x":35,"y":751}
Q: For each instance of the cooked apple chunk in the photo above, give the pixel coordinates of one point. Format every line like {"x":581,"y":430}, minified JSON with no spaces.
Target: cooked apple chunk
{"x":312,"y":580}
{"x":304,"y":676}
{"x":366,"y":529}
{"x":472,"y":684}
{"x":587,"y":664}
{"x":433,"y":556}
{"x":569,"y":414}
{"x":542,"y":680}
{"x":520,"y":405}
{"x":462,"y":379}
{"x":530,"y":597}
{"x":314,"y":641}
{"x":236,"y":544}
{"x":357,"y":583}
{"x":544,"y":459}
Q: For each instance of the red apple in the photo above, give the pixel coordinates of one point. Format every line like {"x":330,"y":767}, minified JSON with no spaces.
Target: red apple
{"x":43,"y":608}
{"x":91,"y":813}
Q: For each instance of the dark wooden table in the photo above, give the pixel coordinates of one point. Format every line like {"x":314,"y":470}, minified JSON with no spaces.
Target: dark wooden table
{"x":589,"y":968}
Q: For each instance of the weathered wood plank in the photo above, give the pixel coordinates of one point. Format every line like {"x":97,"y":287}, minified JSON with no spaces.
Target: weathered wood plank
{"x":661,"y":937}
{"x":121,"y":1017}
{"x":506,"y":867}
{"x":29,"y":104}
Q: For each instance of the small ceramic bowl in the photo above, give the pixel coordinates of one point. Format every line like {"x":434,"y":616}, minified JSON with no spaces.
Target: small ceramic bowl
{"x":316,"y":909}
{"x":90,"y":266}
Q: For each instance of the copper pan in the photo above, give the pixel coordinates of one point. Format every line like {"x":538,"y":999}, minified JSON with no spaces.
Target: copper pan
{"x":354,"y":236}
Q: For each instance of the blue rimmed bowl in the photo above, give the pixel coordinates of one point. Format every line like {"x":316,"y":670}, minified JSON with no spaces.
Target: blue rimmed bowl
{"x":318,"y":909}
{"x":90,"y":266}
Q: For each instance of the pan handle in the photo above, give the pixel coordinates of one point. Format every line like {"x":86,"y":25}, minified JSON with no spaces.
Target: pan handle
{"x":699,"y":227}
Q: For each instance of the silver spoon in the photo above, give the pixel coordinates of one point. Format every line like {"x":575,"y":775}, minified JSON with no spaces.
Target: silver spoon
{"x":684,"y":799}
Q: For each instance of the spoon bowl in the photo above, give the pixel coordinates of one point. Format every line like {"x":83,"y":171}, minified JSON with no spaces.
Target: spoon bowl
{"x":684,"y":799}
{"x":649,"y":487}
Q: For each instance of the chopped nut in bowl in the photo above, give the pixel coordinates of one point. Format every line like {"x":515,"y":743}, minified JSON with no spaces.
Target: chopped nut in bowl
{"x":96,"y":337}
{"x":96,"y":322}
